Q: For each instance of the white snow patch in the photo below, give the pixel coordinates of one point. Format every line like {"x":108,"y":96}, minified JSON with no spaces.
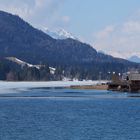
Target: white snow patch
{"x":23,"y":63}
{"x":52,"y":70}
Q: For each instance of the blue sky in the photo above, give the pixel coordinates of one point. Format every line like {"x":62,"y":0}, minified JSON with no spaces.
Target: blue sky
{"x":112,"y":26}
{"x":89,"y":16}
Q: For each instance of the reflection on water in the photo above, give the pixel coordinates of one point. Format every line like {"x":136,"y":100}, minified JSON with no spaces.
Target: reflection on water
{"x":69,"y":114}
{"x":68,"y":93}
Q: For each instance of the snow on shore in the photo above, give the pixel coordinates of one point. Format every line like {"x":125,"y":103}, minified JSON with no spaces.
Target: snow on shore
{"x":10,"y":87}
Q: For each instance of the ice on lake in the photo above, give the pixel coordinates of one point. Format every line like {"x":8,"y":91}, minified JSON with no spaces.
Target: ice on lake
{"x":10,"y":87}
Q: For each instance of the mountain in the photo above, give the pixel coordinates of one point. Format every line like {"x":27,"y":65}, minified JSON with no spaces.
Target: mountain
{"x":21,"y":40}
{"x":134,"y":58}
{"x":60,"y":34}
{"x":70,"y":57}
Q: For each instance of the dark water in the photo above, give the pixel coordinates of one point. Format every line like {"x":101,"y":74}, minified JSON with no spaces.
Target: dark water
{"x":65,"y":114}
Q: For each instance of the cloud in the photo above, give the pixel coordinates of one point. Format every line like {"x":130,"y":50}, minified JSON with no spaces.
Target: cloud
{"x":66,"y":19}
{"x":38,"y":12}
{"x":16,"y":7}
{"x":131,"y":27}
{"x":105,"y":32}
{"x":40,"y":3}
{"x":121,"y":40}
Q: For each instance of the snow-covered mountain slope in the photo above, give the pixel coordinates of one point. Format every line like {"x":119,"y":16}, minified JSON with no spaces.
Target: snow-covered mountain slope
{"x":23,"y":63}
{"x":59,"y":34}
{"x":20,"y":62}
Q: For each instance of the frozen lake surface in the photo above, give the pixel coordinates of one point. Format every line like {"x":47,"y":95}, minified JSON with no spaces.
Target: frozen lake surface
{"x":10,"y":87}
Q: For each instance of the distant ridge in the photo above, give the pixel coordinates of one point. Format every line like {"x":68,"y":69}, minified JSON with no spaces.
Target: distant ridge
{"x":134,"y":58}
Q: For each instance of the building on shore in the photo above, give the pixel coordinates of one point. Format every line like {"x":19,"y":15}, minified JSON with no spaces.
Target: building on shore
{"x":129,"y":82}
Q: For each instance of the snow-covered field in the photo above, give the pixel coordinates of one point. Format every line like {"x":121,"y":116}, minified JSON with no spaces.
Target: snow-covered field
{"x":10,"y":87}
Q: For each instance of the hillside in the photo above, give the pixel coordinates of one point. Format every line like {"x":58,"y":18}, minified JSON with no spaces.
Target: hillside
{"x":13,"y":69}
{"x":19,"y":39}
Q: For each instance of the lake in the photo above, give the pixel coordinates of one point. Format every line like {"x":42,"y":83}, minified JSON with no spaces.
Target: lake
{"x":69,"y":114}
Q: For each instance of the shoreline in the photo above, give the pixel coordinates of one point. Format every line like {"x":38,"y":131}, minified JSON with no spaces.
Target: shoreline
{"x":90,"y":87}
